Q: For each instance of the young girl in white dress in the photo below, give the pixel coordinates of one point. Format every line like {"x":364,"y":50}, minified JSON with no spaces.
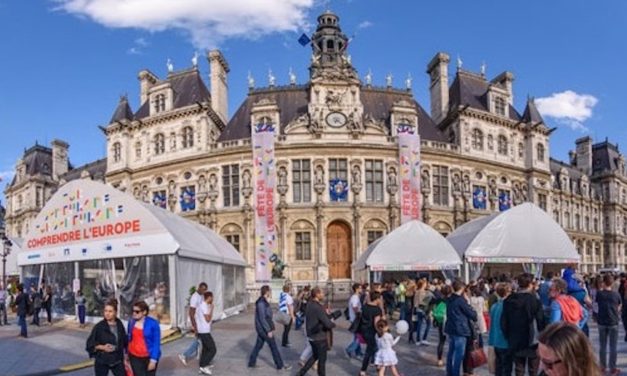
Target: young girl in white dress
{"x":385,"y":356}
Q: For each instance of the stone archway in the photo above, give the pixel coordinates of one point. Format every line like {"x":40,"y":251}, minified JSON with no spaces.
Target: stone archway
{"x":339,"y":250}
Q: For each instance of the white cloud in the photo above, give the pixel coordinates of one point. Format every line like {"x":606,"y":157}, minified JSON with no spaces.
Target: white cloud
{"x":138,"y":48}
{"x":207,"y":22}
{"x":364,"y":24}
{"x":568,"y":107}
{"x":5,"y":176}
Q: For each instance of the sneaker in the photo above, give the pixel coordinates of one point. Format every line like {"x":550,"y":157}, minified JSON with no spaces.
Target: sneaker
{"x":440,"y":363}
{"x":286,"y":368}
{"x":183,"y":359}
{"x":425,"y":343}
{"x":204,"y":371}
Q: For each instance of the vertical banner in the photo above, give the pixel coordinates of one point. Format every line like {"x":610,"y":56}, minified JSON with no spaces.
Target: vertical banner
{"x":409,"y":158}
{"x":264,"y":173}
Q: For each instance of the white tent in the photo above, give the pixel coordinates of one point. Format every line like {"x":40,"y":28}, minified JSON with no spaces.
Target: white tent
{"x":103,"y":241}
{"x":524,"y":234}
{"x":413,"y":246}
{"x":11,"y":260}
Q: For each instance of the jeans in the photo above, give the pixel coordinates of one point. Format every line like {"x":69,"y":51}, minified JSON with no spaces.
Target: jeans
{"x":276,"y":356}
{"x":504,"y":362}
{"x":441,"y":341}
{"x":192,"y":350}
{"x":319,"y":349}
{"x":402,"y":308}
{"x":48,"y":309}
{"x":208,"y":349}
{"x":140,"y":366}
{"x":22,"y":323}
{"x":371,"y":349}
{"x":36,"y":316}
{"x":421,"y":316}
{"x":456,"y":351}
{"x":81,"y":314}
{"x":608,"y":333}
{"x":286,"y":333}
{"x":103,"y":369}
{"x":529,"y":358}
{"x":3,"y":310}
{"x":354,"y":348}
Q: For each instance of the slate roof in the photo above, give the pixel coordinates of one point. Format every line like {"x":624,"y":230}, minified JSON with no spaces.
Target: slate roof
{"x":123,"y":111}
{"x":605,"y":156}
{"x":188,"y":88}
{"x":96,"y":169}
{"x":294,"y":100}
{"x":573,"y":172}
{"x":531,"y":114}
{"x":38,"y":160}
{"x":471,"y":89}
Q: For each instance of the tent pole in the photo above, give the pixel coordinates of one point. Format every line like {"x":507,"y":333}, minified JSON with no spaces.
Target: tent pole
{"x":466,"y":271}
{"x":368,"y":276}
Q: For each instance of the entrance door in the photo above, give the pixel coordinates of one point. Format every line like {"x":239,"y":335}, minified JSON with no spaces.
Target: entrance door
{"x":339,"y":250}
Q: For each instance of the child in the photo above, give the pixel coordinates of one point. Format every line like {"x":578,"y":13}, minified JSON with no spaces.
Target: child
{"x":385,"y":356}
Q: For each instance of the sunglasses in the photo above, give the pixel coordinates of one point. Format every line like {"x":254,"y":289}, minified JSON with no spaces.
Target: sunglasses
{"x":549,"y":365}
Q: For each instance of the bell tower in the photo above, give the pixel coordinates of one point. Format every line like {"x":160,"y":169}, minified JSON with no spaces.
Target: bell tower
{"x":329,"y":46}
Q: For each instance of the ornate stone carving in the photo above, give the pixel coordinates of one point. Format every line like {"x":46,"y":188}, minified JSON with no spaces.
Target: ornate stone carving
{"x":247,"y":188}
{"x":282,"y":185}
{"x":425,"y":178}
{"x":356,"y":184}
{"x":334,"y":98}
{"x":392,"y":181}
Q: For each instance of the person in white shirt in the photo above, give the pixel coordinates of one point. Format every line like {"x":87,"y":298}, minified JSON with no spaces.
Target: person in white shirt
{"x":354,"y":309}
{"x":286,"y":305}
{"x":194,"y":304}
{"x":204,"y":316}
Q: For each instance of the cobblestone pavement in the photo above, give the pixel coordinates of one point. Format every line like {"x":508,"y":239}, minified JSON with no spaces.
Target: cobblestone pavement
{"x":63,"y":343}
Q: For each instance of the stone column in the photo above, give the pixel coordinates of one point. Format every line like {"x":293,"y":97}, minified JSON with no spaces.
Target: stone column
{"x":392,"y":189}
{"x":356,"y":186}
{"x":321,"y":271}
{"x":282,"y":188}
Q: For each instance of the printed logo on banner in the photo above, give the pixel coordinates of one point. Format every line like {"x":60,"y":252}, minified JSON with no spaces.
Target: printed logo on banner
{"x":107,"y":247}
{"x":505,"y":202}
{"x":338,"y":189}
{"x":479,"y":198}
{"x":409,"y":163}
{"x":84,"y":251}
{"x":159,"y":199}
{"x":188,"y":198}
{"x":66,"y":251}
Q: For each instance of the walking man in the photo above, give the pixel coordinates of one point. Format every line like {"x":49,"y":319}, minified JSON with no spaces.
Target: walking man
{"x":4,"y":298}
{"x":194,"y":303}
{"x":609,"y":304}
{"x":318,"y":328}
{"x":204,"y":316}
{"x":354,"y":313}
{"x":21,"y":301}
{"x":264,"y":326}
{"x":286,"y":306}
{"x":459,"y":318}
{"x":35,"y":298}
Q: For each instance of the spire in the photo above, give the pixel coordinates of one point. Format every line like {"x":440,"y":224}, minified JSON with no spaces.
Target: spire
{"x":123,"y":111}
{"x":531,"y":114}
{"x":330,"y":45}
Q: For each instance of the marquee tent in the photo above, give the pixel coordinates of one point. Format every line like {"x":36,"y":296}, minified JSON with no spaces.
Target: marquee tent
{"x":93,"y":237}
{"x":414,"y":246}
{"x":524,"y":234}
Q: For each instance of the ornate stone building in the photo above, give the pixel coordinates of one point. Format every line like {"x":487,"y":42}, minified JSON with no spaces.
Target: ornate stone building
{"x":479,"y":155}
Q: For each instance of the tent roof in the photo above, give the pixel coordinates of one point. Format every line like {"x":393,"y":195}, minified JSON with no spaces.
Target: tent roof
{"x":412,"y":246}
{"x":524,"y":233}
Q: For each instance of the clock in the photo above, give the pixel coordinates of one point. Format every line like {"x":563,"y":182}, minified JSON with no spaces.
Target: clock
{"x":336,"y":119}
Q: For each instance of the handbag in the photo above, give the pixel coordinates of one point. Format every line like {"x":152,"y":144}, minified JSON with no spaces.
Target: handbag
{"x":477,"y":357}
{"x":283,"y":318}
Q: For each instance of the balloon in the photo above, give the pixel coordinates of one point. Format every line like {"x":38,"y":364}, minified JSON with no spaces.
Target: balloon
{"x":402,"y":327}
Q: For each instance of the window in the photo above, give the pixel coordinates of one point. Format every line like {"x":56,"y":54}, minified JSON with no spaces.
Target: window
{"x":490,"y":142}
{"x":117,"y":152}
{"x":303,"y":245}
{"x":338,"y":183}
{"x":301,"y":180}
{"x":338,"y":169}
{"x":159,"y":143}
{"x":577,"y":222}
{"x":499,"y":106}
{"x":567,"y":220}
{"x":188,"y":137}
{"x":234,"y":240}
{"x":138,"y":150}
{"x":540,"y":152}
{"x":159,"y":103}
{"x":595,"y":225}
{"x":477,"y":139}
{"x":374,"y":180}
{"x":556,"y":216}
{"x":502,"y":145}
{"x":542,"y":201}
{"x":521,"y":150}
{"x":587,"y":223}
{"x":230,"y":185}
{"x":440,"y":185}
{"x":373,"y":235}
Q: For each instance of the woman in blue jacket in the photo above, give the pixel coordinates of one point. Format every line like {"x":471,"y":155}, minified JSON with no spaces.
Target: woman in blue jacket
{"x":144,"y":341}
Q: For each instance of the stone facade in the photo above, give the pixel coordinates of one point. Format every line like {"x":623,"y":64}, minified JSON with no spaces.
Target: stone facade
{"x":479,"y":156}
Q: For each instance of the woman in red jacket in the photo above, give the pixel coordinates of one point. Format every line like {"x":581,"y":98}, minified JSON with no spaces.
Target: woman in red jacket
{"x":144,"y":341}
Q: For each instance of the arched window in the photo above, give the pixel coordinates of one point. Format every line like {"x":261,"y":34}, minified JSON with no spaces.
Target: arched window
{"x":499,"y":106}
{"x":159,"y":143}
{"x":160,"y":103}
{"x":540,"y":152}
{"x":188,"y":137}
{"x":477,"y":139}
{"x":502,"y":145}
{"x":117,"y":152}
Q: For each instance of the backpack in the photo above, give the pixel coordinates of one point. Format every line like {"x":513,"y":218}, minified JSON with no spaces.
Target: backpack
{"x":346,"y":313}
{"x":439,"y":312}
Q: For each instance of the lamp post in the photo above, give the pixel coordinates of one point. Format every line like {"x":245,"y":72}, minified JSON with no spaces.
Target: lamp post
{"x":6,"y":250}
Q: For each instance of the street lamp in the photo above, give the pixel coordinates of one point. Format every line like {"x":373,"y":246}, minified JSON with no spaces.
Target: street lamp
{"x":6,"y":251}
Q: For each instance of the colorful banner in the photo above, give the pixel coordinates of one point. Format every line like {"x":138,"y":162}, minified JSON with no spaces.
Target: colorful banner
{"x":188,"y":198}
{"x":479,"y":198}
{"x":409,"y":157}
{"x":265,"y":175}
{"x":505,"y":201}
{"x":159,"y":199}
{"x":338,"y":189}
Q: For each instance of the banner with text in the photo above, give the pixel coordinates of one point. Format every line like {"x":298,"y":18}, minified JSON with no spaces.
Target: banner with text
{"x":409,"y":162}
{"x":264,"y":173}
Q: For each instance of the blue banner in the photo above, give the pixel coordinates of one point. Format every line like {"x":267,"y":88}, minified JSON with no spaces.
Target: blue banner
{"x":188,"y":199}
{"x":505,"y":202}
{"x":159,"y":199}
{"x":479,"y":198}
{"x":338,"y":189}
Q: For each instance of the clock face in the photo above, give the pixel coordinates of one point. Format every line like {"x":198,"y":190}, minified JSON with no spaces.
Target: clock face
{"x":336,"y":119}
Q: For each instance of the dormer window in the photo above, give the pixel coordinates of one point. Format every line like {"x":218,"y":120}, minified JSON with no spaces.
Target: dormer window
{"x":540,"y":152}
{"x":188,"y":137}
{"x":159,"y":143}
{"x":117,"y":152}
{"x":499,"y":106}
{"x":477,"y":139}
{"x":159,"y":103}
{"x":502,"y":145}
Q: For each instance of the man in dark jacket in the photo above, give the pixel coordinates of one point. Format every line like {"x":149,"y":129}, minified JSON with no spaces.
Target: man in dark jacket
{"x":264,"y":326}
{"x":22,"y":302}
{"x":459,"y":315}
{"x":522,"y":320}
{"x":318,"y":326}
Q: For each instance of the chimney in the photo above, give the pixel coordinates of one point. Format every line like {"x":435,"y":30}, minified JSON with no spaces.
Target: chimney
{"x":506,"y":79}
{"x":584,"y":154}
{"x":572,"y":158}
{"x":219,"y":86}
{"x":59,"y":158}
{"x":438,"y":86}
{"x":146,"y":81}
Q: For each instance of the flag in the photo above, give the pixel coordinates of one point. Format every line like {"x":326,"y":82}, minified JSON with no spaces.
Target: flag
{"x":304,"y":40}
{"x":479,"y":198}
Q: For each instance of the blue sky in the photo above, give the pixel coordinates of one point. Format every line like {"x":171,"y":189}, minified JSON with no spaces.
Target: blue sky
{"x":64,"y":63}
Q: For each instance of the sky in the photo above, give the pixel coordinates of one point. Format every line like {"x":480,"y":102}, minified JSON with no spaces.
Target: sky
{"x":65,"y":63}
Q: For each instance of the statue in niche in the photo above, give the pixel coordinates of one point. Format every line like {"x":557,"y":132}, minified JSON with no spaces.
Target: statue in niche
{"x":392,"y":181}
{"x":202,"y":183}
{"x":456,"y":183}
{"x":319,"y":175}
{"x":246,"y":178}
{"x":144,"y":197}
{"x":356,"y":175}
{"x":466,"y":183}
{"x":426,"y":179}
{"x":213,"y":183}
{"x":282,"y":176}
